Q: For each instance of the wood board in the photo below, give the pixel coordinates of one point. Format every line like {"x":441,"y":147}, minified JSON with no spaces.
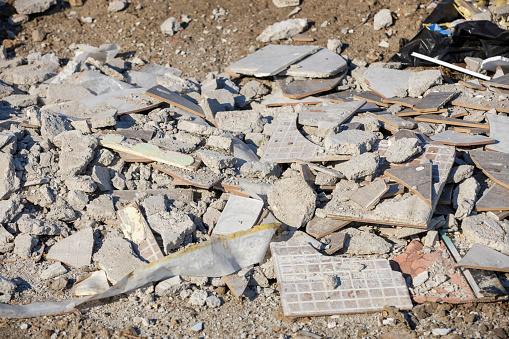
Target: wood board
{"x":438,"y":119}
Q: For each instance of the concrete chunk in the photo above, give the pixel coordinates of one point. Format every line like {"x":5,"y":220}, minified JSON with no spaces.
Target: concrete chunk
{"x":486,"y":231}
{"x":240,"y":121}
{"x":420,"y":82}
{"x":33,"y":6}
{"x":352,"y":142}
{"x":216,"y":160}
{"x":464,"y":197}
{"x":292,"y":201}
{"x":173,"y":227}
{"x":283,"y":30}
{"x":169,"y":287}
{"x":402,"y":150}
{"x":39,"y":227}
{"x":103,"y":119}
{"x":23,"y":245}
{"x":9,"y":182}
{"x":358,"y":167}
{"x":171,"y":26}
{"x":76,"y":152}
{"x":7,"y":289}
{"x":53,"y":271}
{"x":382,"y":19}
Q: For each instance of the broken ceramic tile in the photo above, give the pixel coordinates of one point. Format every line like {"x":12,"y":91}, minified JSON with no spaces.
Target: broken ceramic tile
{"x":236,"y":283}
{"x":335,"y":242}
{"x":481,"y":103}
{"x":298,"y":89}
{"x":337,"y":286}
{"x":278,"y":99}
{"x":433,"y":101}
{"x":320,"y":227}
{"x":239,"y":214}
{"x":484,"y":258}
{"x":461,"y":139}
{"x":418,"y":179}
{"x":499,"y":125}
{"x":496,"y":198}
{"x":321,"y":64}
{"x":75,"y":250}
{"x":335,"y":114}
{"x":493,"y":164}
{"x":388,"y":82}
{"x":173,"y":98}
{"x":438,"y":119}
{"x":369,"y":195}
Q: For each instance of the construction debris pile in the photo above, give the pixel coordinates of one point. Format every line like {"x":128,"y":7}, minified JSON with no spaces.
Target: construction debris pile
{"x":342,"y":186}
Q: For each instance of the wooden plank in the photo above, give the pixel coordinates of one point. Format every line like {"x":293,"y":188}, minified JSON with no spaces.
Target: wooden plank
{"x":474,"y":84}
{"x":434,"y":101}
{"x":484,"y":104}
{"x":499,"y":128}
{"x":320,"y":227}
{"x":369,"y":195}
{"x":496,"y":198}
{"x":417,"y":178}
{"x":460,"y":139}
{"x":146,"y":151}
{"x":438,"y":119}
{"x":298,"y":89}
{"x":302,"y":38}
{"x":173,"y":98}
{"x":484,"y":258}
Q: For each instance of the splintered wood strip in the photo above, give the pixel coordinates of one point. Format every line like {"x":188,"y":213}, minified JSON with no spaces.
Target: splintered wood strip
{"x":446,"y":196}
{"x":418,"y":179}
{"x":302,"y":38}
{"x":320,"y":227}
{"x":298,"y":89}
{"x":173,"y":98}
{"x":496,"y":198}
{"x":203,"y":178}
{"x":410,"y":112}
{"x":145,"y":150}
{"x":494,"y":164}
{"x":371,"y":97}
{"x":287,"y":144}
{"x":434,"y":101}
{"x":499,"y":128}
{"x":484,"y":258}
{"x":438,"y":119}
{"x":460,"y":139}
{"x":369,"y":195}
{"x":472,"y":84}
{"x":481,"y":103}
{"x":406,"y":102}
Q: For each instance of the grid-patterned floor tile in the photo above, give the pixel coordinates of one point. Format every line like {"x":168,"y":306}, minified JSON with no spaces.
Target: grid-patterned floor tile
{"x":301,"y":270}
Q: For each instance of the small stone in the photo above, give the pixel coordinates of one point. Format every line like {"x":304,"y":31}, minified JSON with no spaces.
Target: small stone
{"x":331,"y":281}
{"x":420,"y":278}
{"x":441,"y":331}
{"x":117,"y":6}
{"x":59,"y":284}
{"x":198,"y":327}
{"x":334,"y":45}
{"x":38,"y":35}
{"x":382,"y":19}
{"x":198,"y":298}
{"x":171,"y":26}
{"x":283,"y":30}
{"x":213,"y":301}
{"x":286,"y":3}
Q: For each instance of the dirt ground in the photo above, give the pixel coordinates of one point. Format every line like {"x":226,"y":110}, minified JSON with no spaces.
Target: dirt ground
{"x":209,"y":44}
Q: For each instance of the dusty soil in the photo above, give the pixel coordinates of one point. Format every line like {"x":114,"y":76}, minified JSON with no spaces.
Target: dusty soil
{"x":210,"y":44}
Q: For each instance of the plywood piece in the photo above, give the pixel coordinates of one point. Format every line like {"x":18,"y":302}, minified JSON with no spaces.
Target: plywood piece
{"x":474,"y":84}
{"x":416,"y":178}
{"x":320,"y":227}
{"x":287,"y":144}
{"x":237,"y":284}
{"x":75,"y":250}
{"x":301,"y":272}
{"x":438,"y":119}
{"x":239,"y":214}
{"x":494,"y":164}
{"x":302,"y":38}
{"x":482,"y":103}
{"x":278,"y":99}
{"x":271,"y":60}
{"x":298,"y":89}
{"x":496,"y":198}
{"x":145,"y":150}
{"x":394,"y":121}
{"x":335,"y":114}
{"x":322,"y":64}
{"x":371,"y":97}
{"x":434,"y":101}
{"x":387,"y":82}
{"x":406,"y":102}
{"x":501,"y":82}
{"x":173,"y":98}
{"x":336,"y":241}
{"x":484,"y":258}
{"x":369,"y":195}
{"x":202,"y":178}
{"x":499,"y":130}
{"x":136,"y":229}
{"x":459,"y":139}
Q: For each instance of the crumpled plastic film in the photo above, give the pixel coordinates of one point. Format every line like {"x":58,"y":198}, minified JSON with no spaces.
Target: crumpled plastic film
{"x":213,"y":258}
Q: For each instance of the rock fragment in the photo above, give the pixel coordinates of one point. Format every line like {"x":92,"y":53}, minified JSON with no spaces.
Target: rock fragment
{"x":352,"y":142}
{"x":76,"y":152}
{"x":7,"y":289}
{"x":286,"y":3}
{"x":171,"y":26}
{"x":283,"y":30}
{"x":23,"y":245}
{"x":9,"y":182}
{"x":382,"y":19}
{"x":361,"y":166}
{"x":402,"y":150}
{"x":117,"y":6}
{"x":420,"y":82}
{"x":33,"y":6}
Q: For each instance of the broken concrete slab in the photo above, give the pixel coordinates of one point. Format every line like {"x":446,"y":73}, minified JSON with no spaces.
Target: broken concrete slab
{"x":7,"y":289}
{"x":393,"y":120}
{"x":401,"y":150}
{"x":75,"y":250}
{"x":271,"y":60}
{"x":292,"y":201}
{"x":170,"y":286}
{"x":76,"y":152}
{"x":116,"y":258}
{"x":420,"y":82}
{"x":239,"y":214}
{"x":23,"y":245}
{"x":101,"y":208}
{"x":9,"y":182}
{"x":240,"y":121}
{"x":361,"y":166}
{"x":173,"y":227}
{"x":369,"y":195}
{"x":323,"y":63}
{"x":495,"y":198}
{"x":418,"y":179}
{"x":350,"y":142}
{"x":135,"y":228}
{"x":388,"y":82}
{"x":499,"y":125}
{"x":94,"y":284}
{"x":486,"y":231}
{"x":364,"y":243}
{"x":464,"y":197}
{"x":283,"y":30}
{"x":26,"y":224}
{"x":352,"y":295}
{"x":484,"y":258}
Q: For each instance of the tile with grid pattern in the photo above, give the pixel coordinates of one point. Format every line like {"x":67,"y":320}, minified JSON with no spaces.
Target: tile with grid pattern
{"x":300,"y":272}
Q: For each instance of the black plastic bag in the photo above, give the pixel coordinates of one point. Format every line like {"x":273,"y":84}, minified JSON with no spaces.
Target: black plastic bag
{"x":480,"y":39}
